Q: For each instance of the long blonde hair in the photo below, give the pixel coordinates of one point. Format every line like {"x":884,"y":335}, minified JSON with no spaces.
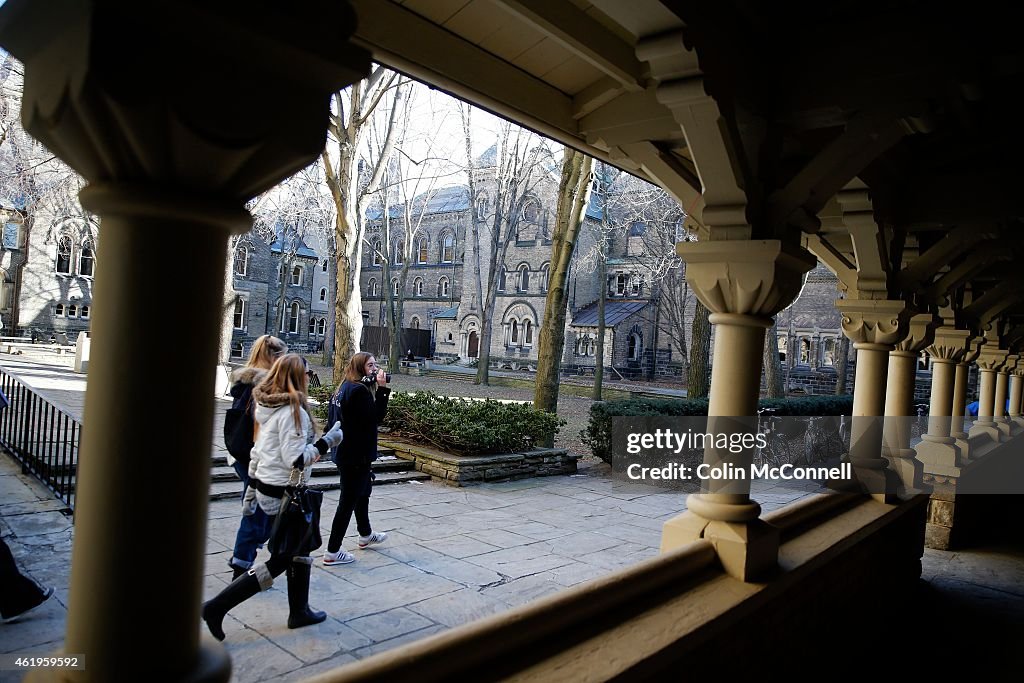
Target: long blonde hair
{"x":288,"y":376}
{"x":266,"y":349}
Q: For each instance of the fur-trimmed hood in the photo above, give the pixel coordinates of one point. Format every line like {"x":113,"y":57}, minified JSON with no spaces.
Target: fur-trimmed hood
{"x":269,"y":400}
{"x":248,"y":375}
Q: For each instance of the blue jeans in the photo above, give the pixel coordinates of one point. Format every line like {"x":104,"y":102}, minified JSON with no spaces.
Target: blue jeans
{"x":242,"y":470}
{"x":253,"y":532}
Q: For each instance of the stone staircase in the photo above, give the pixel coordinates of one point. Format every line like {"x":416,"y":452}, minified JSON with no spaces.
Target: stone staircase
{"x":388,"y":468}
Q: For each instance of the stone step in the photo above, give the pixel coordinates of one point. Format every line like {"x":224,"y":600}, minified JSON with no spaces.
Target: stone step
{"x":221,"y":490}
{"x":384,"y":455}
{"x":324,"y":469}
{"x":448,"y":374}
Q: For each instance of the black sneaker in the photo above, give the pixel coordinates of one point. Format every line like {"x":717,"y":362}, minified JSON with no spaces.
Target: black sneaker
{"x":47,"y":592}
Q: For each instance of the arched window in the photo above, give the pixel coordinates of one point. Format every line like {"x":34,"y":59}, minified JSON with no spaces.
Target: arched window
{"x":524,"y":278}
{"x":312,"y":325}
{"x":805,"y":351}
{"x":398,"y":254}
{"x":531,"y":211}
{"x":323,"y":294}
{"x":501,"y":280}
{"x":324,"y":266}
{"x":394,"y":286}
{"x":293,"y":319}
{"x":85,"y":313}
{"x":239,"y":317}
{"x":86,"y":259}
{"x":415,"y":324}
{"x":527,"y":333}
{"x":72,"y":311}
{"x":371,"y":286}
{"x":58,"y":310}
{"x":828,"y":351}
{"x":545,"y":274}
{"x":442,"y":287}
{"x":417,"y":286}
{"x":64,"y":255}
{"x":514,"y":333}
{"x":634,"y":346}
{"x":447,"y":248}
{"x":241,"y":261}
{"x":422,"y":256}
{"x":377,"y":251}
{"x":321,"y":326}
{"x":297,"y":275}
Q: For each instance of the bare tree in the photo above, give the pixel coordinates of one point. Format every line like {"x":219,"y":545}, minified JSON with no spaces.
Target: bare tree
{"x":352,"y":108}
{"x":572,"y":200}
{"x":772,"y":365}
{"x":698,"y":382}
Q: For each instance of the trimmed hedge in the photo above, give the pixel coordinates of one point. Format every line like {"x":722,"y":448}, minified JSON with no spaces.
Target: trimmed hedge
{"x":458,"y":426}
{"x":598,"y":434}
{"x":462,"y":427}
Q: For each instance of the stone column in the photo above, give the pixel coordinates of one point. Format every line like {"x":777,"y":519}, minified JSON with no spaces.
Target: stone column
{"x":899,"y":399}
{"x":743,"y":283}
{"x":1016,"y":387}
{"x":938,"y":451}
{"x":173,"y":142}
{"x":960,"y":396}
{"x":989,"y":362}
{"x":999,"y":407}
{"x":874,"y":326}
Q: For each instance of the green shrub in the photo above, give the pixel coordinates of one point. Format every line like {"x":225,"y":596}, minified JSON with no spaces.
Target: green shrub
{"x":322,"y":394}
{"x":463,"y":427}
{"x":598,"y":434}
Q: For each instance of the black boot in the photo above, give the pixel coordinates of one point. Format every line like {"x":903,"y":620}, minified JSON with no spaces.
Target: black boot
{"x":237,"y":571}
{"x":299,"y":613}
{"x":240,"y":590}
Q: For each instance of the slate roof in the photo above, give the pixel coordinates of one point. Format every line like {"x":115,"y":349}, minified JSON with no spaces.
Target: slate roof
{"x":447,"y":314}
{"x":615,"y":311}
{"x":443,"y":201}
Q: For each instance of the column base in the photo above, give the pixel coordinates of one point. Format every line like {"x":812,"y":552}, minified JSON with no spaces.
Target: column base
{"x":939,"y":458}
{"x":987,"y":428}
{"x":747,"y":550}
{"x":908,"y":469}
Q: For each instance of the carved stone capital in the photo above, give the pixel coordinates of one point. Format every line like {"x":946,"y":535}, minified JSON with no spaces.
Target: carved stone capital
{"x":974,"y":346}
{"x":920,"y":332}
{"x":759,"y":277}
{"x":874,"y":321}
{"x":192,"y":117}
{"x":992,"y":358}
{"x":949,"y":344}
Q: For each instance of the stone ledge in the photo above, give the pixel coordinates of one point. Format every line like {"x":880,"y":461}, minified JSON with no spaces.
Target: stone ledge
{"x":460,"y":470}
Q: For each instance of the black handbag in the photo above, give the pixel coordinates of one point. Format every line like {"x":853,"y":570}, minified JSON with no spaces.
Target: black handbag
{"x":296,"y":528}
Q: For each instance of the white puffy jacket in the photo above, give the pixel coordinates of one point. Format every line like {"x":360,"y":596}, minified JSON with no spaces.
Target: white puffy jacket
{"x":278,"y":442}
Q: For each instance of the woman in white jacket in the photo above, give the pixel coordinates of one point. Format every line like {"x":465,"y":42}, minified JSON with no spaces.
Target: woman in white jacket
{"x":285,"y":440}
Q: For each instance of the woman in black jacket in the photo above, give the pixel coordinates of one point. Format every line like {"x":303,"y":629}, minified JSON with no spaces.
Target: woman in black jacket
{"x":359,"y":403}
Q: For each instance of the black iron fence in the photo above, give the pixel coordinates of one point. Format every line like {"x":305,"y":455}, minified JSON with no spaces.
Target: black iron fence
{"x":43,"y":438}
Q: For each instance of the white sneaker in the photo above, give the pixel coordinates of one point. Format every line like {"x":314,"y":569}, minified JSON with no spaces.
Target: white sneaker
{"x":340,"y":557}
{"x":373,"y":539}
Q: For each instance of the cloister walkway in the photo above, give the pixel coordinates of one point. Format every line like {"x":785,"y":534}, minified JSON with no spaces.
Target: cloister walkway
{"x":453,"y":555}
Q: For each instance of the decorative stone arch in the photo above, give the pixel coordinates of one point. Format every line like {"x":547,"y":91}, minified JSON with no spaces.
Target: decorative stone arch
{"x":469,"y":336}
{"x":635,"y":343}
{"x":523,"y":271}
{"x":519,"y":317}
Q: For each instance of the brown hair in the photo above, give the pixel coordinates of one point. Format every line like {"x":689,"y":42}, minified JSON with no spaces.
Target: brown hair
{"x":356,"y":368}
{"x":288,"y":376}
{"x":265,"y":351}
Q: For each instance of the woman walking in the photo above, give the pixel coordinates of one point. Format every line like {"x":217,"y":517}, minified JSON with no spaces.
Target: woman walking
{"x":285,"y":440}
{"x":239,"y":437}
{"x":360,"y":404}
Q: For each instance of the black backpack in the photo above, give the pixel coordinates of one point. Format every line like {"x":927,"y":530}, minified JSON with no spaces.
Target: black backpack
{"x":238,"y":426}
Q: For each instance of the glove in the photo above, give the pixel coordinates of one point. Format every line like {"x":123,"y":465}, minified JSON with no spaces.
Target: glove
{"x":333,"y":436}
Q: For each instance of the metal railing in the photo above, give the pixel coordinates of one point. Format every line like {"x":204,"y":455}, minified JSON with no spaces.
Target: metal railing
{"x":41,"y":436}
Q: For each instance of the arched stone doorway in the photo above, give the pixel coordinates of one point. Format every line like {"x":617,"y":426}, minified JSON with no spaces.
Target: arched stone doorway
{"x":474,"y":345}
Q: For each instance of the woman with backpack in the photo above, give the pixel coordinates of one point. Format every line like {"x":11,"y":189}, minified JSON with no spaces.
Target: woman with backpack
{"x":360,"y":404}
{"x":239,"y":437}
{"x":285,"y":441}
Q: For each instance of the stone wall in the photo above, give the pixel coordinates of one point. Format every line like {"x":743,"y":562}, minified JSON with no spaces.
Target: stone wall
{"x":461,"y":470}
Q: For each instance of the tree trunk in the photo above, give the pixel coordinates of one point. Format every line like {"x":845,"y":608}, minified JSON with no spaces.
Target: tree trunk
{"x":572,"y":198}
{"x":772,"y":366}
{"x":698,"y":384}
{"x":843,"y":356}
{"x":599,"y":353}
